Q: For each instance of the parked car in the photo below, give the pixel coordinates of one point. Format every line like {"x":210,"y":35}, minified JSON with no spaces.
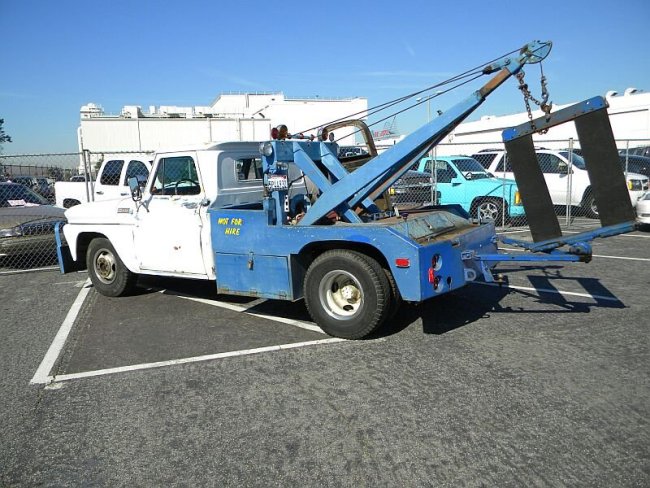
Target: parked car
{"x":462,"y":180}
{"x":555,"y":168}
{"x":28,"y":181}
{"x":347,"y":151}
{"x":413,"y":189}
{"x":26,"y":221}
{"x":643,"y":209}
{"x":636,"y":151}
{"x":630,"y":162}
{"x":45,"y":188}
{"x":636,"y":164}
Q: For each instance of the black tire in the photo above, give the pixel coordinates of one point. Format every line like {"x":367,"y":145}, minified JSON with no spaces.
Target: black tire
{"x":395,"y":297}
{"x":489,"y":209}
{"x":107,"y":271}
{"x":589,"y":206}
{"x":347,"y":294}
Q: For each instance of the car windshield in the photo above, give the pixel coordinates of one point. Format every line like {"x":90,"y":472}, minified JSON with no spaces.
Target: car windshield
{"x":13,"y":195}
{"x":472,"y":166}
{"x":577,"y":160}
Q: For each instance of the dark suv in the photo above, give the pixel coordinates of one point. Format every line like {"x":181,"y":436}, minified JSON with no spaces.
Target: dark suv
{"x":28,"y":181}
{"x":636,"y":151}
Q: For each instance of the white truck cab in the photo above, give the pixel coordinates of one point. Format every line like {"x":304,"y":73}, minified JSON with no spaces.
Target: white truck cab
{"x":167,"y":232}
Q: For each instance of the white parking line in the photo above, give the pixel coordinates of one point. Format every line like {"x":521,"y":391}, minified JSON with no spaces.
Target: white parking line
{"x":593,"y":255}
{"x":550,"y":290}
{"x":617,"y":235}
{"x":52,"y":354}
{"x":42,"y":375}
{"x":173,"y":362}
{"x":244,"y":309}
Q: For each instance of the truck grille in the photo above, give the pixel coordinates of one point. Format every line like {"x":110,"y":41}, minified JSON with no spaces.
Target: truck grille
{"x":38,"y":228}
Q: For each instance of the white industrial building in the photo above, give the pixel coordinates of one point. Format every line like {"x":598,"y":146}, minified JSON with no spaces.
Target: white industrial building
{"x":230,"y":117}
{"x":629,"y":114}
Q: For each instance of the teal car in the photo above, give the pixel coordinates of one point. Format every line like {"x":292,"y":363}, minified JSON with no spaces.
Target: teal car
{"x":462,"y":180}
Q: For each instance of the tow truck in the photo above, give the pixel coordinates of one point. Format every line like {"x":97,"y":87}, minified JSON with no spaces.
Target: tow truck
{"x":286,"y":219}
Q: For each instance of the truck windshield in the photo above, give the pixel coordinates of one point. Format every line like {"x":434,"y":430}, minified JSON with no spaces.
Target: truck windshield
{"x":176,"y":176}
{"x":578,"y":162}
{"x":472,"y":166}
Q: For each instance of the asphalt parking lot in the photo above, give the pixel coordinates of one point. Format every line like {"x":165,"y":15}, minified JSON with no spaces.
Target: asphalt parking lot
{"x":540,"y":382}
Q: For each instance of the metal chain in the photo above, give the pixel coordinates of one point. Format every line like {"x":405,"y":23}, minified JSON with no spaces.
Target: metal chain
{"x":543,"y":103}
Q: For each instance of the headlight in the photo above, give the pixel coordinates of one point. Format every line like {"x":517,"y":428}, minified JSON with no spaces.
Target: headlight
{"x":634,"y":185}
{"x":517,"y":198}
{"x":13,"y":232}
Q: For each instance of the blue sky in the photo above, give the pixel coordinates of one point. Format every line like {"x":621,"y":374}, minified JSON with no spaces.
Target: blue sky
{"x":60,"y":55}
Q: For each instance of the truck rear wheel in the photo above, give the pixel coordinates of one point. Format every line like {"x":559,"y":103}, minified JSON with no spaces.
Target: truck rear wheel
{"x":347,"y":294}
{"x":107,"y":271}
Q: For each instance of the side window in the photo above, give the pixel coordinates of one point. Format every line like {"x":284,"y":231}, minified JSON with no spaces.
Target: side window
{"x":499,"y":168}
{"x":176,"y":176}
{"x":444,"y":173}
{"x":549,"y":163}
{"x":248,"y":169}
{"x":135,"y":168}
{"x":111,"y":173}
{"x":484,"y":159}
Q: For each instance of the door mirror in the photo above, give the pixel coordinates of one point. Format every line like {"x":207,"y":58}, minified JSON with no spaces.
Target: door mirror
{"x":136,"y":190}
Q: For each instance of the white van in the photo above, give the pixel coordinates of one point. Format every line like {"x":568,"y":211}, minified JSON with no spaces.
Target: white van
{"x":555,"y":165}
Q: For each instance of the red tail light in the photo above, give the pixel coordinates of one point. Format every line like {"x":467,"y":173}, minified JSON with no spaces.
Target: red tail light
{"x":403,"y":262}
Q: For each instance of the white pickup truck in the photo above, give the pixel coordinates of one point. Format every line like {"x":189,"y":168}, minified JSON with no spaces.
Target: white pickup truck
{"x":111,"y":183}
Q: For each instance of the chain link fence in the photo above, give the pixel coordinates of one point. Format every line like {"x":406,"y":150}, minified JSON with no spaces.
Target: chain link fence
{"x":479,"y":177}
{"x":27,"y":211}
{"x":476,"y":176}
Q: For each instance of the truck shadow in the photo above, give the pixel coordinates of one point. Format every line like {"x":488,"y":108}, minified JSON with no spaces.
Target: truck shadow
{"x":542,"y":296}
{"x":438,"y":315}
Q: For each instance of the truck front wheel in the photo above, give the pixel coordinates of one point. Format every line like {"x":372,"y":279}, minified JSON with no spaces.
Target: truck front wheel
{"x":489,"y":209}
{"x":107,"y":271}
{"x":347,"y":294}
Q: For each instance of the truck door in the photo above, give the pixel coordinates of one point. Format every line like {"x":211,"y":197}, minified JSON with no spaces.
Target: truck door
{"x":108,"y":186}
{"x":448,"y":183}
{"x":169,"y":224}
{"x":556,"y":176}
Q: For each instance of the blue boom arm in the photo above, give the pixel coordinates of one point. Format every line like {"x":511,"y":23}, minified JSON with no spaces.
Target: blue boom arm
{"x":370,"y":180}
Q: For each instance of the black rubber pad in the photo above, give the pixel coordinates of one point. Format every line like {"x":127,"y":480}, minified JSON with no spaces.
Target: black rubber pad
{"x":538,"y":205}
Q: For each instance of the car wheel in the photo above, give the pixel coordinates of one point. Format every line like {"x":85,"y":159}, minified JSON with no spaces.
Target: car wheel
{"x":347,"y":294}
{"x":107,"y":272}
{"x":489,"y":209}
{"x":589,"y":207}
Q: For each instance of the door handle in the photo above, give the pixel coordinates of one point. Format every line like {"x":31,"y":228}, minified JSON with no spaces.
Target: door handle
{"x":99,"y":192}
